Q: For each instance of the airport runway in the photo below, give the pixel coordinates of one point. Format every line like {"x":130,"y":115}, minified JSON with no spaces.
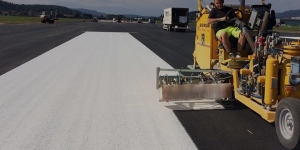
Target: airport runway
{"x":240,"y":128}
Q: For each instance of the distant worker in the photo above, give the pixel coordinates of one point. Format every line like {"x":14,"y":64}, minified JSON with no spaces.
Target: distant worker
{"x":222,"y":30}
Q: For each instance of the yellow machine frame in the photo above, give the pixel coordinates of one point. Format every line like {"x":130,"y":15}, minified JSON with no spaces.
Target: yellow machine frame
{"x":266,"y":78}
{"x":206,"y":53}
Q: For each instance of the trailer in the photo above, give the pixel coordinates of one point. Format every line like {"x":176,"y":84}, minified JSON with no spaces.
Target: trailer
{"x":175,"y":19}
{"x":49,"y":16}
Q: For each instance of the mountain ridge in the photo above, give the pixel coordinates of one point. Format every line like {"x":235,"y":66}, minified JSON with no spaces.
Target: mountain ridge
{"x":24,"y":9}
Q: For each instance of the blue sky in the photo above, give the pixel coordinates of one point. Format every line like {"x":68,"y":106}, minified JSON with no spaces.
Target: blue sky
{"x":149,"y":7}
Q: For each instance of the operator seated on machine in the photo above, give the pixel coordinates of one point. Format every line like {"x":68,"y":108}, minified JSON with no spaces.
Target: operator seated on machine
{"x":222,"y":30}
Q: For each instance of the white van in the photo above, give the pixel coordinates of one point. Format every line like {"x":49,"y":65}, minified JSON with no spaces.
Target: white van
{"x":139,"y":20}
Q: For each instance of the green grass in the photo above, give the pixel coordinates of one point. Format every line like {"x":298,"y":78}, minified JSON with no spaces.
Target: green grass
{"x":18,"y":20}
{"x":287,"y":29}
{"x":22,"y":20}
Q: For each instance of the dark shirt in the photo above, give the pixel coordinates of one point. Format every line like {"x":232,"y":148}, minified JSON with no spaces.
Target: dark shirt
{"x":219,"y":13}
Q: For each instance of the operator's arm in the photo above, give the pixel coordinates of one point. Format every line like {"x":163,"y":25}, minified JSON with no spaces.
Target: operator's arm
{"x":213,"y":20}
{"x":213,"y":17}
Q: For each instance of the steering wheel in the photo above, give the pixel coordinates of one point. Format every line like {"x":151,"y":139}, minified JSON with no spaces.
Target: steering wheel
{"x":234,"y":15}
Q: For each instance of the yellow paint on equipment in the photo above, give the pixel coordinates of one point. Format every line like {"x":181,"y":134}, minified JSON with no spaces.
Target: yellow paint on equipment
{"x":271,"y":82}
{"x":261,"y":79}
{"x":296,"y":42}
{"x":285,"y":69}
{"x":265,"y":114}
{"x":250,"y":57}
{"x":223,"y":58}
{"x":245,"y":71}
{"x":293,"y":50}
{"x":242,"y":9}
{"x":199,"y":5}
{"x":205,"y":43}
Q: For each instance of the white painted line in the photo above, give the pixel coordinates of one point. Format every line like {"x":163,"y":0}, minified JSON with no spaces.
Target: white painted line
{"x":249,"y":131}
{"x":290,"y":37}
{"x":96,"y":91}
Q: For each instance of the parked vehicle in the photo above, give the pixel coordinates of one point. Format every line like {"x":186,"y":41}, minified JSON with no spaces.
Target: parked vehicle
{"x":175,"y":19}
{"x":139,"y":20}
{"x":49,"y":16}
{"x":94,"y":19}
{"x":151,"y":21}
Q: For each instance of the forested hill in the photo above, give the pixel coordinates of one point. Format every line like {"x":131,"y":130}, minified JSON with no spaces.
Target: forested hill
{"x":34,"y":10}
{"x":288,"y":14}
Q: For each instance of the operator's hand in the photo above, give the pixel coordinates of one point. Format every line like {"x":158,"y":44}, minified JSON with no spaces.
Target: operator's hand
{"x":225,"y":18}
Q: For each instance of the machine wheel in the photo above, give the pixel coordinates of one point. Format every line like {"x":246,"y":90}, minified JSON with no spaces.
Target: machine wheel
{"x":171,"y":29}
{"x":287,"y":122}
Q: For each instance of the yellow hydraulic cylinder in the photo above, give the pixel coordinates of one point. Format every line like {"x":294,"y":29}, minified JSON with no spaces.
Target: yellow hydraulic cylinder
{"x":261,"y":79}
{"x":245,"y":71}
{"x":271,"y":81}
{"x":292,"y":49}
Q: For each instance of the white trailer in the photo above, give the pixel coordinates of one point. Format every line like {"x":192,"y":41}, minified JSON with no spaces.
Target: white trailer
{"x":176,"y":19}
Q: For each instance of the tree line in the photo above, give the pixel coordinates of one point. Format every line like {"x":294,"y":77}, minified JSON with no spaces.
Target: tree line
{"x":11,"y":9}
{"x":34,"y":10}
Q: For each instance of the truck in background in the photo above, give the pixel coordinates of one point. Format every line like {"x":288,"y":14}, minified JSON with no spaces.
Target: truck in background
{"x":49,"y":17}
{"x":94,"y":19}
{"x":139,"y":20}
{"x":151,"y":21}
{"x":175,"y":19}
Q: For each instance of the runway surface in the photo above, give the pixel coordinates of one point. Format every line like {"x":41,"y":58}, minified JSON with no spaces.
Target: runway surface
{"x":92,"y":86}
{"x":99,"y":96}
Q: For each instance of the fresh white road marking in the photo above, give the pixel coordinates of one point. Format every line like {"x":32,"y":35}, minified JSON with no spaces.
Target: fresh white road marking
{"x":290,"y":37}
{"x":96,"y":91}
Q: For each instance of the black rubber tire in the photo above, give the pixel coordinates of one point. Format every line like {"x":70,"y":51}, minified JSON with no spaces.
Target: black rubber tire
{"x":169,"y":28}
{"x":293,"y":106}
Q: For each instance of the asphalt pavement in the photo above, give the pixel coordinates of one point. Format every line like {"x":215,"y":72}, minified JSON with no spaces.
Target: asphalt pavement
{"x":239,"y":128}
